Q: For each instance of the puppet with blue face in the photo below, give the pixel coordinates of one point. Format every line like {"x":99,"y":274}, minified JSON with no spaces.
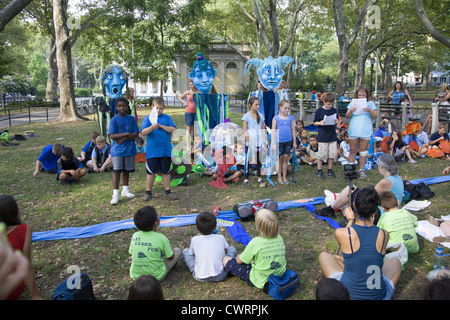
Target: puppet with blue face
{"x":114,"y":79}
{"x":211,"y":107}
{"x":270,"y":72}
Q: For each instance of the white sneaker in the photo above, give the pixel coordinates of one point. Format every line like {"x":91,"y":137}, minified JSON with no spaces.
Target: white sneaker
{"x":115,"y":199}
{"x":127,"y":193}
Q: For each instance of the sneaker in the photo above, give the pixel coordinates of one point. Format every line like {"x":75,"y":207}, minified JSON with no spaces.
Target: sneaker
{"x":412,"y":161}
{"x":362,"y":174}
{"x":115,"y":199}
{"x":127,"y":193}
{"x":331,"y":173}
{"x":246,"y":183}
{"x":147,"y":197}
{"x":172,"y":196}
{"x":320,"y":174}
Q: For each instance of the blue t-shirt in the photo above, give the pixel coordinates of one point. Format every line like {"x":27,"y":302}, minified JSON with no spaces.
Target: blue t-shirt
{"x":284,"y":132}
{"x":47,"y":158}
{"x":158,"y":141}
{"x":123,"y":124}
{"x":436,"y":136}
{"x":361,"y":124}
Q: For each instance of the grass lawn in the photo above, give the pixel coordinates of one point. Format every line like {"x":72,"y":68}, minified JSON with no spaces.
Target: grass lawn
{"x":47,"y":205}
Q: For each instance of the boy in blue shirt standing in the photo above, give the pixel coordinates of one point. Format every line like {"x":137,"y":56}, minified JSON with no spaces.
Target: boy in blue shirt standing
{"x":123,"y":130}
{"x":326,"y":136}
{"x":159,"y":149}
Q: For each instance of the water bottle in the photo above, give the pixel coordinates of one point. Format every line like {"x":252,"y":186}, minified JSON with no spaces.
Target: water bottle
{"x":439,"y":259}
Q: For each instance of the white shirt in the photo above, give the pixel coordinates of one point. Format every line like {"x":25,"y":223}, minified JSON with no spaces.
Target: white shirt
{"x":209,"y":251}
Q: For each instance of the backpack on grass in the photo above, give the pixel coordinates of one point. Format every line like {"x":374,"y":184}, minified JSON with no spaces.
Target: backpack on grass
{"x":282,"y":287}
{"x":77,"y":287}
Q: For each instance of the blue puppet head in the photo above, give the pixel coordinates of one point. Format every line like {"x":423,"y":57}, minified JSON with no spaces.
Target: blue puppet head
{"x":270,"y":71}
{"x":114,"y":80}
{"x":202,"y":74}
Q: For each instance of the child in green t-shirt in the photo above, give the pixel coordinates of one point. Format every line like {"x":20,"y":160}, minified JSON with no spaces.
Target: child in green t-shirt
{"x":150,"y":251}
{"x":263,"y":256}
{"x":398,"y":222}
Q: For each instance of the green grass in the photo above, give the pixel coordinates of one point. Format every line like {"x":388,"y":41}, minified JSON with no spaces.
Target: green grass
{"x":47,"y":205}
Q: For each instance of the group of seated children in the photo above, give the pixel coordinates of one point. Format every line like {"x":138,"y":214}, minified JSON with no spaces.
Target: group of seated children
{"x":59,"y":159}
{"x":209,"y":257}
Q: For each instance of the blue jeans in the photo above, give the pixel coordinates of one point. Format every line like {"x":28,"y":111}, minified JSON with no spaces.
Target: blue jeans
{"x":190,"y":262}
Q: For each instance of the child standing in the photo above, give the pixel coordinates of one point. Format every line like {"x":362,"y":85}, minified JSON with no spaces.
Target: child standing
{"x":69,"y":168}
{"x":399,"y":223}
{"x":255,"y":137}
{"x":283,"y":131}
{"x":326,"y":136}
{"x":150,"y":251}
{"x":159,"y":149}
{"x":263,"y":256}
{"x":123,"y":130}
{"x":205,"y":254}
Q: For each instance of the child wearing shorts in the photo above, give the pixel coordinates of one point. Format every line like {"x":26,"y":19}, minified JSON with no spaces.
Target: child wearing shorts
{"x":123,"y":130}
{"x":326,"y":136}
{"x":159,"y":149}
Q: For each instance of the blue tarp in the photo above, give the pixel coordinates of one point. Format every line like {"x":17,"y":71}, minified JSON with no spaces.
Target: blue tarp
{"x":236,"y":231}
{"x":165,"y":221}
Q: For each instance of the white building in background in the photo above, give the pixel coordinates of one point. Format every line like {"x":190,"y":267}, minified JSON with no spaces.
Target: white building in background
{"x":228,"y":63}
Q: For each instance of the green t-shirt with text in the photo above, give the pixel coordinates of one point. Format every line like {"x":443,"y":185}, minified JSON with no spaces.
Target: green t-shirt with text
{"x":400,"y":225}
{"x":267,"y":256}
{"x":146,"y":249}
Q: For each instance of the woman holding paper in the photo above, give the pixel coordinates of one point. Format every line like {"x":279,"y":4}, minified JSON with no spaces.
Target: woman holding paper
{"x":361,"y":113}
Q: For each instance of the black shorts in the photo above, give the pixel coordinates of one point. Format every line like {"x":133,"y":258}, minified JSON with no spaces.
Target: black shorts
{"x":159,"y":165}
{"x":285,"y":147}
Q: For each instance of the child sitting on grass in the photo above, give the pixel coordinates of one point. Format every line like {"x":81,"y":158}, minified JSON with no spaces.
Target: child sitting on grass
{"x":398,"y":222}
{"x":263,"y":256}
{"x":69,"y":167}
{"x":150,"y":251}
{"x":398,"y":148}
{"x":205,"y":254}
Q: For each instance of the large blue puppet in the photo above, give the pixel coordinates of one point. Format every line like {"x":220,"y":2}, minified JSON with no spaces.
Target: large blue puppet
{"x":211,"y":107}
{"x":270,"y":72}
{"x":114,"y":79}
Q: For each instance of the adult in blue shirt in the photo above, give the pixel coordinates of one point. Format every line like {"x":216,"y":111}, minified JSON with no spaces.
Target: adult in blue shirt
{"x":158,"y":149}
{"x":48,"y":158}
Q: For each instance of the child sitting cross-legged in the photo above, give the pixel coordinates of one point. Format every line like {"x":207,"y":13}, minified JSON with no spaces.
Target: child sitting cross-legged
{"x":69,"y":167}
{"x":150,"y":251}
{"x":205,"y":254}
{"x":263,"y":256}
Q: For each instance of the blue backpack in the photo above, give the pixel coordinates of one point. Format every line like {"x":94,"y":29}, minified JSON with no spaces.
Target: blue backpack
{"x":81,"y":288}
{"x":282,"y":287}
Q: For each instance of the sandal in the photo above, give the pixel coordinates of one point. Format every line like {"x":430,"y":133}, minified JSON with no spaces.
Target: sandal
{"x":262,"y":184}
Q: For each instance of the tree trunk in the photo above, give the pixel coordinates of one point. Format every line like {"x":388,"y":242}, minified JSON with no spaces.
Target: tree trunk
{"x":342,"y":76}
{"x":52,"y":76}
{"x":68,"y":111}
{"x":362,"y":56}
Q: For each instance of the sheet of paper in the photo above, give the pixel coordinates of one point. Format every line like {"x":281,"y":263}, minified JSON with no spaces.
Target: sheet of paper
{"x":360,"y":104}
{"x":329,"y":120}
{"x":153,"y":117}
{"x":416,"y":205}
